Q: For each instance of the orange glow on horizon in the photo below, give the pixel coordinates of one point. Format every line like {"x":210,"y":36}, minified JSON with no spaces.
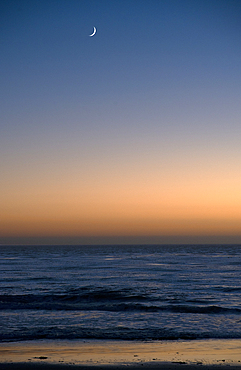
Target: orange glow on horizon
{"x":180,"y":202}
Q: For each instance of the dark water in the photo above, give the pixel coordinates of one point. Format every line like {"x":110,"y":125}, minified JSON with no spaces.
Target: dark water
{"x":120,"y":292}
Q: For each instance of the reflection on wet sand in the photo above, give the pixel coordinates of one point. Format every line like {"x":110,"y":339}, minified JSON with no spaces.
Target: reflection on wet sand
{"x":200,"y":352}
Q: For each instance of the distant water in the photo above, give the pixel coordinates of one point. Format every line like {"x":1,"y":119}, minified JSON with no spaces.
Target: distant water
{"x":120,"y":292}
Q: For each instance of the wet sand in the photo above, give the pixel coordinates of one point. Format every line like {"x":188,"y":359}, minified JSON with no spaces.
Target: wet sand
{"x":115,"y":355}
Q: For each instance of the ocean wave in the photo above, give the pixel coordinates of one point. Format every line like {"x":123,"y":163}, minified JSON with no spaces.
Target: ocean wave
{"x":115,"y":333}
{"x":104,"y":301}
{"x":228,"y":289}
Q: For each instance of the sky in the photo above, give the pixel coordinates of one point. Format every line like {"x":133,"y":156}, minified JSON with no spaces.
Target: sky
{"x":129,"y":136}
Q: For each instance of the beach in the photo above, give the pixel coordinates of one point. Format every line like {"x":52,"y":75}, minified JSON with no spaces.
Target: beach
{"x":121,"y":354}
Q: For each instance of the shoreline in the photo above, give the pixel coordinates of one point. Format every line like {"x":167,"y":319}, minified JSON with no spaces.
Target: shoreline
{"x":103,"y":354}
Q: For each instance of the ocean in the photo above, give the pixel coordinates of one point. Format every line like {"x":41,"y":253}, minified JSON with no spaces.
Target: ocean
{"x":131,"y":292}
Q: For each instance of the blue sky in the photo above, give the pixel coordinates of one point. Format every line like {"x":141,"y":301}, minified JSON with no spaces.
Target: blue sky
{"x":132,"y":132}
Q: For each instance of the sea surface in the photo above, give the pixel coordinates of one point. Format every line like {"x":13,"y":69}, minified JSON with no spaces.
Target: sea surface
{"x":147,"y":292}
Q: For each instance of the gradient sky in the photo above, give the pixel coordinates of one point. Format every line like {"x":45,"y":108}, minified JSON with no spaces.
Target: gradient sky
{"x":132,"y":135}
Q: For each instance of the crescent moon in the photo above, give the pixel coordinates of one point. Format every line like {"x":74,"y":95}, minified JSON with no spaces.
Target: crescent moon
{"x":94,"y":32}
